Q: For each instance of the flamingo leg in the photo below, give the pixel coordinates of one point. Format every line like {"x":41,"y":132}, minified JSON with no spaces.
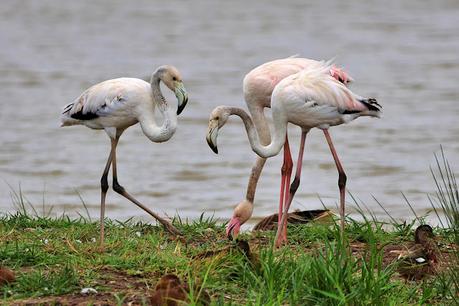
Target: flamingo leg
{"x":103,"y":194}
{"x":286,"y":172}
{"x":294,"y":185}
{"x":341,"y":180}
{"x":120,"y":189}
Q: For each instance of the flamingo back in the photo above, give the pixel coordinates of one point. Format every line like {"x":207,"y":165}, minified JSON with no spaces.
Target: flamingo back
{"x":112,"y":98}
{"x":259,"y":83}
{"x":313,"y":97}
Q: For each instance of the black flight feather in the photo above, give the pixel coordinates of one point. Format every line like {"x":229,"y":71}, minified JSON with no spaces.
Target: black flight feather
{"x":84,"y":116}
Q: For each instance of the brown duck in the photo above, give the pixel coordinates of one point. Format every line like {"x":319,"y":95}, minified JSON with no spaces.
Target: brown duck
{"x":6,"y":276}
{"x":171,"y":291}
{"x":421,"y":258}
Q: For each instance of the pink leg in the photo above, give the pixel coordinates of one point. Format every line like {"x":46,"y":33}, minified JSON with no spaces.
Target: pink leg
{"x":286,"y":172}
{"x":295,"y":184}
{"x":286,"y":192}
{"x":341,"y":180}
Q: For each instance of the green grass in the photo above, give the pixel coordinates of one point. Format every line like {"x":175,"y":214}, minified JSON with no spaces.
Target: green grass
{"x":58,"y":256}
{"x":446,"y":199}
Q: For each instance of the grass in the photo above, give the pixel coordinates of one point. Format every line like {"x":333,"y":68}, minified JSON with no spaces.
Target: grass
{"x":59,"y":256}
{"x":447,"y":198}
{"x":55,"y":257}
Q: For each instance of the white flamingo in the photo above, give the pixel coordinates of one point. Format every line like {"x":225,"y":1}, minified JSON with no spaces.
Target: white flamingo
{"x":115,"y":105}
{"x":258,"y":86}
{"x":309,"y":98}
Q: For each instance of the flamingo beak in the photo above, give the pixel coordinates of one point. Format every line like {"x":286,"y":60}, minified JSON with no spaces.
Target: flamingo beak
{"x":233,"y":228}
{"x":212,"y":133}
{"x":182,"y":96}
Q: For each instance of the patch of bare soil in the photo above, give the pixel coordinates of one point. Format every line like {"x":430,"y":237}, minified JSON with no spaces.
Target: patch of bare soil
{"x":130,"y":289}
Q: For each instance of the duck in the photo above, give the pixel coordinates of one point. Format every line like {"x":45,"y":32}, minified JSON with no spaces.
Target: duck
{"x":171,"y":291}
{"x":6,"y":276}
{"x":420,"y":259}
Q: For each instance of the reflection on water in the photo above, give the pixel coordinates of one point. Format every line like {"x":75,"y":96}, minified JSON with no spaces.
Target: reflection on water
{"x":404,"y":54}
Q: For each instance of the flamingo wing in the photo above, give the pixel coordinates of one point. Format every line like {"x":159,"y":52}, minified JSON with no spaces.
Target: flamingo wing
{"x":106,"y":98}
{"x":317,"y":85}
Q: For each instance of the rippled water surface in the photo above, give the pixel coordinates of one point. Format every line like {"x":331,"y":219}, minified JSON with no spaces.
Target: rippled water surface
{"x":405,"y":53}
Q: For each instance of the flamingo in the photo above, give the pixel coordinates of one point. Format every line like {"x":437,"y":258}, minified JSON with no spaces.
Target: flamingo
{"x":312,"y":97}
{"x":258,"y":85}
{"x":114,"y":105}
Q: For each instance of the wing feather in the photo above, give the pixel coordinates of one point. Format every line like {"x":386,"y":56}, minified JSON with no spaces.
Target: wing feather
{"x":316,"y":84}
{"x":102,"y":99}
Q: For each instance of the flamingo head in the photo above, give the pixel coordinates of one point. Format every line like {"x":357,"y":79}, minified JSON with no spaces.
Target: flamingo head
{"x":241,"y":214}
{"x":217,"y":119}
{"x":173,"y":80}
{"x":340,"y":75}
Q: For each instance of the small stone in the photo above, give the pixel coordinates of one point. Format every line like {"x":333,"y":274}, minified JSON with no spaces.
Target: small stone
{"x":138,"y":234}
{"x":420,"y":260}
{"x":88,"y":291}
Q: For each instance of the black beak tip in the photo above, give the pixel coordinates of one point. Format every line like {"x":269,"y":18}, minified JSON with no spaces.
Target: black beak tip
{"x":182,"y":107}
{"x":211,"y":145}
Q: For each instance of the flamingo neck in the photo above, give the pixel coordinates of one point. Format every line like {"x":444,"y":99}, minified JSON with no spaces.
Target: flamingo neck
{"x":260,"y":123}
{"x":278,"y":139}
{"x":159,"y":133}
{"x":253,"y":179}
{"x":156,"y":89}
{"x":256,"y":110}
{"x":147,"y":119}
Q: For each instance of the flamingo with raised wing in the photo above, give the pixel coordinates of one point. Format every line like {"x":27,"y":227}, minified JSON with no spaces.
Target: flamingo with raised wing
{"x":309,"y":98}
{"x":117,"y":104}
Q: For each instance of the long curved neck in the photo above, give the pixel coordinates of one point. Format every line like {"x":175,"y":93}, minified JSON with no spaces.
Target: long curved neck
{"x":253,"y":179}
{"x":147,"y":120}
{"x":156,"y":90}
{"x":261,"y":125}
{"x":278,"y":139}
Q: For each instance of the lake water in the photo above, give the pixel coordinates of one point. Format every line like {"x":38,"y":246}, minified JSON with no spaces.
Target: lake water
{"x":404,"y":53}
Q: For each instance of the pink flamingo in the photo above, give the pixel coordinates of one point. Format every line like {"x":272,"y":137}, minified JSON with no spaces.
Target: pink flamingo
{"x":258,"y":86}
{"x":312,"y":97}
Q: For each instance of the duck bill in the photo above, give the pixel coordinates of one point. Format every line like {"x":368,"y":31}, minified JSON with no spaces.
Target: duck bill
{"x":233,"y":228}
{"x":182,"y":97}
{"x":212,"y":134}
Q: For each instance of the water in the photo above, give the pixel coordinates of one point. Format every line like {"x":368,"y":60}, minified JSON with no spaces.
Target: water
{"x":406,"y":54}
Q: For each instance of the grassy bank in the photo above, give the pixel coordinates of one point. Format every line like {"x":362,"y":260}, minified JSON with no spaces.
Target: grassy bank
{"x":55,"y":258}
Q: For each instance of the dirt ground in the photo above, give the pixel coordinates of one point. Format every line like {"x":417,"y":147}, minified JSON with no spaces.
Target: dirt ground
{"x":131,"y":290}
